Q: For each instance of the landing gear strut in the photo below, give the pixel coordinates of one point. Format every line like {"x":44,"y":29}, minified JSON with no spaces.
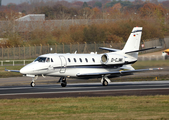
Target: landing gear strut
{"x":33,"y":81}
{"x":105,"y":81}
{"x":63,"y":82}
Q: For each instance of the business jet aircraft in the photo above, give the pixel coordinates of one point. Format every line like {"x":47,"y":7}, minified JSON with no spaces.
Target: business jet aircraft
{"x":115,"y":63}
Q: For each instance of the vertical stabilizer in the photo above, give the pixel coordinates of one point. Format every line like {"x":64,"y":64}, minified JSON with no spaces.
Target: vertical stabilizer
{"x":133,"y":42}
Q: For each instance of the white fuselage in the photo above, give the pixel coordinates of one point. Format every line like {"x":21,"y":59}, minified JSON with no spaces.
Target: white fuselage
{"x":69,"y":65}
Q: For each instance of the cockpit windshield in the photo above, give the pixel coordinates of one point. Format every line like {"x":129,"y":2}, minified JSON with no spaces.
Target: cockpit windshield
{"x":43,"y":59}
{"x":40,"y":59}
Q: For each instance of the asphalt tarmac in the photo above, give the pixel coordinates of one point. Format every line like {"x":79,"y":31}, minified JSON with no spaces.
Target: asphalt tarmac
{"x":85,"y":89}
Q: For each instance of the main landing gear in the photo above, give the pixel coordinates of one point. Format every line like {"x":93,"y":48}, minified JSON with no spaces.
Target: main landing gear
{"x":105,"y":81}
{"x":63,"y":82}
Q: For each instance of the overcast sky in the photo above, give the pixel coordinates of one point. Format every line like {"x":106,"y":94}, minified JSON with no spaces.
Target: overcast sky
{"x":5,"y":2}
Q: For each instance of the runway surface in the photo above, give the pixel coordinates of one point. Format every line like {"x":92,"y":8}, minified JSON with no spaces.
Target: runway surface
{"x":86,"y":89}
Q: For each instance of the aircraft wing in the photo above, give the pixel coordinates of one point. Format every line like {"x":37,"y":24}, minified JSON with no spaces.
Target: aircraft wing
{"x":12,"y":70}
{"x":115,"y":73}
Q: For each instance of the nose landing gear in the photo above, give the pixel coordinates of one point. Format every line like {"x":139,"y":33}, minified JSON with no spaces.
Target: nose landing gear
{"x":32,"y":84}
{"x":33,"y":81}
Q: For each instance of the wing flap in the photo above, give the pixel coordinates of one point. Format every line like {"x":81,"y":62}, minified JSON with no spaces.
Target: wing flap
{"x":115,"y":73}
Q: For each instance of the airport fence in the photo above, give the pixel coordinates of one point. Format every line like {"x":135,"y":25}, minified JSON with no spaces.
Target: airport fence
{"x":28,"y":52}
{"x":14,"y":62}
{"x":152,"y":57}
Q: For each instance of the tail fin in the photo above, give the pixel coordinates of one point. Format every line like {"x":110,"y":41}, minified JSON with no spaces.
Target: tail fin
{"x":133,"y":42}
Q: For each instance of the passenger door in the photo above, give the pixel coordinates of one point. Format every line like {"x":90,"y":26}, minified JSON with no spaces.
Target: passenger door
{"x":63,"y":64}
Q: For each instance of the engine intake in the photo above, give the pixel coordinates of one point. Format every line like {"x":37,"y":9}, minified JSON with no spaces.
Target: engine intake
{"x":104,"y":58}
{"x":108,"y":58}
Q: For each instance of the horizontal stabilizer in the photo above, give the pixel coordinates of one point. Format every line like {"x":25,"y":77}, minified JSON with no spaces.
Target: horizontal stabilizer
{"x":12,"y":70}
{"x":109,"y":49}
{"x":155,"y":47}
{"x":115,"y":73}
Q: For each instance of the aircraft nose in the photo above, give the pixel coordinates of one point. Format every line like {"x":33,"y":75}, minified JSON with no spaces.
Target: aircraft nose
{"x":26,"y":70}
{"x":23,"y":71}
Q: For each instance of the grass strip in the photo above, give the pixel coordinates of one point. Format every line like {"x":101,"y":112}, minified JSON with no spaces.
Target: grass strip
{"x":87,"y":108}
{"x":4,"y":74}
{"x":153,"y":63}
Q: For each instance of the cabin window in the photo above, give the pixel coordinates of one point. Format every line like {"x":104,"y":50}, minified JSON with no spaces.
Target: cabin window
{"x":69,"y":60}
{"x":112,"y":59}
{"x":80,"y":59}
{"x":51,"y":60}
{"x":86,"y":59}
{"x":75,"y":59}
{"x":120,"y":59}
{"x":93,"y":59}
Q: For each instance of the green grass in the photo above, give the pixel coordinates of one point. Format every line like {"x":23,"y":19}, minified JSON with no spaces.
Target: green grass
{"x":147,"y":64}
{"x":4,"y":74}
{"x":86,"y":108}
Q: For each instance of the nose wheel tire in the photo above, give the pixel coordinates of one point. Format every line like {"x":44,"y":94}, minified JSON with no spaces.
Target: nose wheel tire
{"x":32,"y":84}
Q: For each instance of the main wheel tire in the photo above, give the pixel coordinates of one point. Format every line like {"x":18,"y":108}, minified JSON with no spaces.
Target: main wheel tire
{"x":64,"y":84}
{"x":32,"y":84}
{"x":105,"y":83}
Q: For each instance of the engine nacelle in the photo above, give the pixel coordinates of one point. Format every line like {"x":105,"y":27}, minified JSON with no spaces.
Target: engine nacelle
{"x":111,"y":58}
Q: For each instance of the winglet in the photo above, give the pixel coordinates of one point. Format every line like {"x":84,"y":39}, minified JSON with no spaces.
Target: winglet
{"x":7,"y":70}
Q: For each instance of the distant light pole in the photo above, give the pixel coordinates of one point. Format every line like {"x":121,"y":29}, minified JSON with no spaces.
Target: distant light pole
{"x":107,"y":17}
{"x":75,"y":19}
{"x":75,"y":16}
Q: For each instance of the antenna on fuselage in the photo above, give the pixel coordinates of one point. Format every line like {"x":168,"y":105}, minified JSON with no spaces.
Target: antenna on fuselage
{"x":75,"y":51}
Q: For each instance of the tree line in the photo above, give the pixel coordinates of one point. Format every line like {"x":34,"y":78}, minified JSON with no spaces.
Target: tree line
{"x":119,"y":19}
{"x":81,"y":10}
{"x":109,"y":32}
